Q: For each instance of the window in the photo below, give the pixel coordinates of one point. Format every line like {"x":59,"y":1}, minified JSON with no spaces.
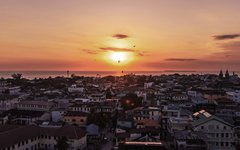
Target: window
{"x":217,"y":127}
{"x":217,"y":135}
{"x":224,"y":127}
{"x":202,"y":127}
{"x":222,"y":135}
{"x":222,"y":144}
{"x":226,"y":135}
{"x":227,"y":144}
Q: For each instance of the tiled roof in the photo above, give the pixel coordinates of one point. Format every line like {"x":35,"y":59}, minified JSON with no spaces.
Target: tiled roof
{"x":76,"y":113}
{"x":212,"y":117}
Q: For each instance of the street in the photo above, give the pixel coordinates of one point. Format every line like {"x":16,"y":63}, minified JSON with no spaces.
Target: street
{"x":109,"y":144}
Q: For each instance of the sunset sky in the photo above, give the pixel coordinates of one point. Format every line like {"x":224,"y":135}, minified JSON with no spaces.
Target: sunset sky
{"x":120,"y":35}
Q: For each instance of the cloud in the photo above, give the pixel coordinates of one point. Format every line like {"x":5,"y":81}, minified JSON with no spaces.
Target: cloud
{"x":226,"y":36}
{"x":120,"y":36}
{"x":140,"y":54}
{"x":231,"y":46}
{"x":180,"y":59}
{"x":114,"y":49}
{"x":204,"y":65}
{"x":89,"y":51}
{"x":117,"y":49}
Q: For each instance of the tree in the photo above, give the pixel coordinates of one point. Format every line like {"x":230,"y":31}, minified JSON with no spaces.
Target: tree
{"x":101,"y":119}
{"x":131,"y":101}
{"x":62,"y":143}
{"x":17,"y":76}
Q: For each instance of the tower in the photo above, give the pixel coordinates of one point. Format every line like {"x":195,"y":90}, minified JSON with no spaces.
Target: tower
{"x":220,"y":74}
{"x":68,"y":73}
{"x":227,"y":74}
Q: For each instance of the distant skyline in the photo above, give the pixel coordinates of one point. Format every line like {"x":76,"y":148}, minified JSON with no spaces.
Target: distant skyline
{"x":113,"y":35}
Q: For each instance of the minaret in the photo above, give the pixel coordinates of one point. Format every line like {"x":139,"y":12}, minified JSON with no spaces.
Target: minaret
{"x":68,"y":73}
{"x":220,"y":74}
{"x":227,"y":74}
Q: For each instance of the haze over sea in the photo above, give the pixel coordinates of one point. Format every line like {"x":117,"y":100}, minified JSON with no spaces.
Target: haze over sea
{"x":46,"y":74}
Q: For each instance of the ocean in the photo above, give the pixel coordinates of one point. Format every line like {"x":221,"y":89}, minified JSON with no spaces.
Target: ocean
{"x":46,"y":74}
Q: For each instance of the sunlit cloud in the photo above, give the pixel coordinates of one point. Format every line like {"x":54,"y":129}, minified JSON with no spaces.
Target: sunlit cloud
{"x":231,"y":46}
{"x":114,"y":49}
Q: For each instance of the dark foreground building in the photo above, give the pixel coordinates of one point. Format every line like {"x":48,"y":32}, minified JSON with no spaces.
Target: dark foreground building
{"x":142,"y":146}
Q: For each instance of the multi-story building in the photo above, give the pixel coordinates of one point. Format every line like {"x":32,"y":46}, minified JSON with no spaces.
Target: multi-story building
{"x":8,"y":102}
{"x":152,"y":113}
{"x":189,"y":140}
{"x":84,"y":107}
{"x":173,"y":111}
{"x":36,"y":105}
{"x":75,"y":89}
{"x":178,"y":124}
{"x":235,"y":96}
{"x":220,"y":134}
{"x":34,"y":137}
{"x":76,"y":118}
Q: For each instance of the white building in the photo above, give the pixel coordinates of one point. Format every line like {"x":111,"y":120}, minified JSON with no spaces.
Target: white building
{"x":74,"y":89}
{"x":220,"y":133}
{"x":170,"y":117}
{"x":148,"y":85}
{"x":36,"y":105}
{"x":235,"y":96}
{"x":58,"y":115}
{"x":141,"y":113}
{"x":8,"y":103}
{"x":178,"y":124}
{"x":14,"y":90}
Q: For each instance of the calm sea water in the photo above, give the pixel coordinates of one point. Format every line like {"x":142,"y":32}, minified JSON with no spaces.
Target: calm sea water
{"x":46,"y":74}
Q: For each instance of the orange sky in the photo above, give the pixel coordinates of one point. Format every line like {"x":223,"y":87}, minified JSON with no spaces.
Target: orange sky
{"x":152,"y":34}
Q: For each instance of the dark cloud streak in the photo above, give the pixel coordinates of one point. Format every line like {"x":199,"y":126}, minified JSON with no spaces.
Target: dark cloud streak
{"x":120,"y":36}
{"x":180,"y":59}
{"x":226,"y":36}
{"x":88,"y":51}
{"x":117,"y":49}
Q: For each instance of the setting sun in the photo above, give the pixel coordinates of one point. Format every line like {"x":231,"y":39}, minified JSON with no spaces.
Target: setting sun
{"x":118,"y":56}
